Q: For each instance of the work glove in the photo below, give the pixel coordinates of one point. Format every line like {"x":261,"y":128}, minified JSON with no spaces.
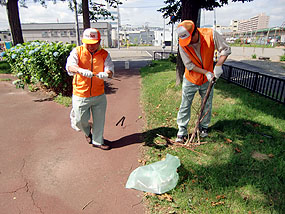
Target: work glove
{"x":209,"y":75}
{"x":218,"y":70}
{"x":85,"y":72}
{"x":102,"y":75}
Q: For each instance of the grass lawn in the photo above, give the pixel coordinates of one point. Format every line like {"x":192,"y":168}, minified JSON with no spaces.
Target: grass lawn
{"x":240,"y":168}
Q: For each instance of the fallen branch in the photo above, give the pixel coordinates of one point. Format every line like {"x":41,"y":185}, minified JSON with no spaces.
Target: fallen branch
{"x":87,"y":204}
{"x":212,"y":82}
{"x":172,"y":142}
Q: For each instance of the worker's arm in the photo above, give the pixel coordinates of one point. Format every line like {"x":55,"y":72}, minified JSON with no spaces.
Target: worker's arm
{"x":109,"y":66}
{"x":221,"y":60}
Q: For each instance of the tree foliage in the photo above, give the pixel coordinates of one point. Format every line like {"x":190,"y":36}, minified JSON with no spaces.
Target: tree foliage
{"x":174,"y":7}
{"x":94,"y":11}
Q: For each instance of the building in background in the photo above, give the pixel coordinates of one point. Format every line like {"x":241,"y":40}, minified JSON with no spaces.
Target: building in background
{"x":5,"y":35}
{"x":63,"y":32}
{"x":258,"y":22}
{"x":223,"y":29}
{"x":234,"y":25}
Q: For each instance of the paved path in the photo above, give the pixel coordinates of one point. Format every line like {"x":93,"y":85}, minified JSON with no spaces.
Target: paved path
{"x":47,"y":167}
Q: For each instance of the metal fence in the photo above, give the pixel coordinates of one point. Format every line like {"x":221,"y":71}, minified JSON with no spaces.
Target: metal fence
{"x":162,"y":55}
{"x":268,"y":86}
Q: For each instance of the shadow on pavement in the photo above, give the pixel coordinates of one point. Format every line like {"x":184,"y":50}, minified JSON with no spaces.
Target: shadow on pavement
{"x":44,"y":100}
{"x":109,"y":89}
{"x":146,"y":137}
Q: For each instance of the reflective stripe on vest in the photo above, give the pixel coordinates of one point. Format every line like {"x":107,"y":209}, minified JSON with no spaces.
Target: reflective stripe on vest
{"x":84,"y":86}
{"x":206,"y":51}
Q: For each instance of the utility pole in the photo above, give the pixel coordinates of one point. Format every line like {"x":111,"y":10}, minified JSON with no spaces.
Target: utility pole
{"x":76,"y":23}
{"x":215,"y":20}
{"x":163,"y":30}
{"x":171,"y":18}
{"x":198,"y":24}
{"x":118,"y":30}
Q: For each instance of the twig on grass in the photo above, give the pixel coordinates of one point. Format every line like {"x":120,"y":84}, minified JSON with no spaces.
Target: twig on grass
{"x":212,"y":82}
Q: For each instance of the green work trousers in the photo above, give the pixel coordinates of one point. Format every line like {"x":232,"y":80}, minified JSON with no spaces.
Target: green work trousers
{"x":97,"y":106}
{"x":188,"y":92}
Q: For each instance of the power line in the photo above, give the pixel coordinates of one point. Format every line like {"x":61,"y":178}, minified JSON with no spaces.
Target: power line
{"x":145,"y":6}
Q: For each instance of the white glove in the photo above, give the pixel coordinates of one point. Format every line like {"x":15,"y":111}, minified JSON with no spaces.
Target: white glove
{"x":209,"y":75}
{"x":218,"y":70}
{"x":85,"y":72}
{"x":102,"y":75}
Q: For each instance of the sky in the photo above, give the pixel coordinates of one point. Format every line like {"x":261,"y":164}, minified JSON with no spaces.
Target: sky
{"x":144,"y":12}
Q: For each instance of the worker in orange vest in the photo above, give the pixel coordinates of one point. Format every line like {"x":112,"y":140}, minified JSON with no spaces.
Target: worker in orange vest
{"x":197,"y":47}
{"x":90,"y":65}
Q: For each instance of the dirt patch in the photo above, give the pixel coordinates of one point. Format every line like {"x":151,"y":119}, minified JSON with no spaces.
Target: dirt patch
{"x":39,"y":91}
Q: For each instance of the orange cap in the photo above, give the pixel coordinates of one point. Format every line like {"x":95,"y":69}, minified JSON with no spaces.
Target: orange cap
{"x":91,"y":36}
{"x":184,"y":31}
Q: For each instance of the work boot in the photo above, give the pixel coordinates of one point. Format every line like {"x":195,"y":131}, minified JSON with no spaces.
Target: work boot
{"x":89,"y":138}
{"x":181,"y":138}
{"x":102,"y":146}
{"x":203,"y":132}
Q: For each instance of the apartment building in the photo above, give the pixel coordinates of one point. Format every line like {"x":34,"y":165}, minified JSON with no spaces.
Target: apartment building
{"x":64,"y":32}
{"x":254,"y":23}
{"x":234,"y":25}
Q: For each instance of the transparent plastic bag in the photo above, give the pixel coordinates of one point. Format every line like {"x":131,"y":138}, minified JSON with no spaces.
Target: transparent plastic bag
{"x":158,"y":177}
{"x":72,"y":120}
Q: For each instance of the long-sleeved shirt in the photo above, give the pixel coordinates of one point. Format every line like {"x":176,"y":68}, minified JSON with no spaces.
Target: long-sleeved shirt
{"x":220,"y":45}
{"x":73,"y":60}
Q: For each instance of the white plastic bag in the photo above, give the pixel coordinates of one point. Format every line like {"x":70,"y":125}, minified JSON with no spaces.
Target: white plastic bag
{"x":158,"y":177}
{"x":72,"y":120}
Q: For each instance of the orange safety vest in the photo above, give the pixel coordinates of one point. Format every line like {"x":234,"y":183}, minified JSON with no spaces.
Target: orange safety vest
{"x":84,"y":86}
{"x":207,"y":53}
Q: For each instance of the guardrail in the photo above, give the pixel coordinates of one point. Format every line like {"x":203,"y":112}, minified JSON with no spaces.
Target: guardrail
{"x":268,"y":86}
{"x":162,"y":54}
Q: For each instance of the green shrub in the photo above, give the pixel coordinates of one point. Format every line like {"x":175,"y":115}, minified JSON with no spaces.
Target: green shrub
{"x":253,"y":56}
{"x":172,"y":58}
{"x":43,"y":62}
{"x":237,"y":41}
{"x":282,"y":58}
{"x":4,"y":66}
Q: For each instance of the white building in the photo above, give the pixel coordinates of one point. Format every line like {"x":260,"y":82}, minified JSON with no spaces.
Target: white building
{"x":223,"y":29}
{"x":64,"y":32}
{"x":164,"y":37}
{"x":234,"y":25}
{"x":254,"y":23}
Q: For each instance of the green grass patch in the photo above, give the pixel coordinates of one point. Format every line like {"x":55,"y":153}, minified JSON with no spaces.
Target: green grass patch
{"x":5,"y":67}
{"x":63,"y":100}
{"x":5,"y":79}
{"x":251,"y":45}
{"x":240,"y":169}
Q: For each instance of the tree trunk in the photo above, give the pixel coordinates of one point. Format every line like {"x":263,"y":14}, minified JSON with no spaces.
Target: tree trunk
{"x":85,"y":12}
{"x":14,"y":21}
{"x":180,"y":68}
{"x":190,"y":11}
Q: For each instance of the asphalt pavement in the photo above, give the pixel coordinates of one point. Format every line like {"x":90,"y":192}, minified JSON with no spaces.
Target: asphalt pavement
{"x":47,"y":167}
